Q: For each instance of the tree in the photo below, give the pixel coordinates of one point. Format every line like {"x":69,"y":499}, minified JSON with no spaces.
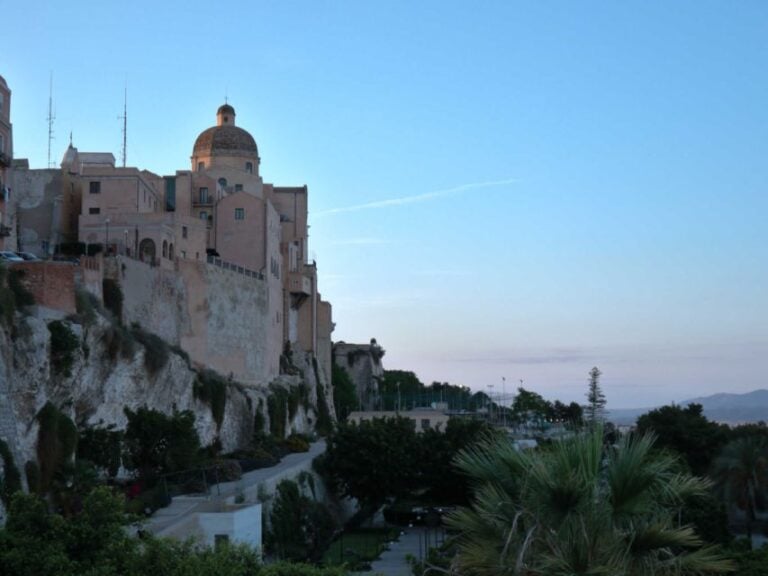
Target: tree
{"x":741,"y":472}
{"x":578,"y":508}
{"x":373,"y":460}
{"x":686,"y":431}
{"x":156,"y":443}
{"x":344,"y":392}
{"x":301,"y":528}
{"x":595,"y":410}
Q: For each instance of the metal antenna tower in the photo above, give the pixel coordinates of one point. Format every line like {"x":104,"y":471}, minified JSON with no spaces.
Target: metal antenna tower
{"x":50,"y":119}
{"x":124,"y":118}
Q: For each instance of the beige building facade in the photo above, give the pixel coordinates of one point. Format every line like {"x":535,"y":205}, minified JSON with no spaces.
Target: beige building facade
{"x":7,"y":228}
{"x":191,"y":231}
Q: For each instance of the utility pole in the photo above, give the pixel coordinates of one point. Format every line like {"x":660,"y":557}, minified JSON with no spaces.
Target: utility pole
{"x":124,"y":118}
{"x":504,"y":396}
{"x":50,"y":119}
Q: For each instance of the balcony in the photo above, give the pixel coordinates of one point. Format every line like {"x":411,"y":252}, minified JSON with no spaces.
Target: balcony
{"x":299,"y":284}
{"x":198,"y":202}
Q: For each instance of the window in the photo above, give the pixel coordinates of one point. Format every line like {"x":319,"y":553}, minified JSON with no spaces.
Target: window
{"x":203,"y":195}
{"x":94,"y":210}
{"x":425,"y":424}
{"x":2,"y":143}
{"x":94,"y":187}
{"x":204,"y":215}
{"x":239,"y":213}
{"x":200,"y":166}
{"x":249,"y":167}
{"x":165,"y":249}
{"x":238,"y":187}
{"x":222,"y":182}
{"x":170,"y":194}
{"x":183,"y":231}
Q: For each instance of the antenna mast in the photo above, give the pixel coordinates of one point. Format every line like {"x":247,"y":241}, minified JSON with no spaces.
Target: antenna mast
{"x":124,"y":118}
{"x":50,"y":119}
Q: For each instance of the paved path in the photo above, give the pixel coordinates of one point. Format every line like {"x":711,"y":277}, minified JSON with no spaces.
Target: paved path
{"x":392,"y":562}
{"x":182,"y":507}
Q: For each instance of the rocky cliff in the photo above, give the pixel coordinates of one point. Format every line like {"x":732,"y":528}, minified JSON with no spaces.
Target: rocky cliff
{"x":92,"y":369}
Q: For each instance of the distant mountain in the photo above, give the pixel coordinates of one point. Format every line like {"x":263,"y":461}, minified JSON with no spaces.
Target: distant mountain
{"x":723,"y":407}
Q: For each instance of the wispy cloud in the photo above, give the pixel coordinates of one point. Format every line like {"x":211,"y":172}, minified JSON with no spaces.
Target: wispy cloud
{"x":415,"y":198}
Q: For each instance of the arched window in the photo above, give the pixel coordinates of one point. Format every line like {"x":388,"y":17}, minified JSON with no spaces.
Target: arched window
{"x":170,"y":251}
{"x":165,"y":249}
{"x":147,"y":251}
{"x":223,"y":182}
{"x":249,"y":167}
{"x":200,"y":166}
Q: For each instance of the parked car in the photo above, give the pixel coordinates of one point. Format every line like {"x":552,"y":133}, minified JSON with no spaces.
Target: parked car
{"x":10,"y":257}
{"x":28,"y":256}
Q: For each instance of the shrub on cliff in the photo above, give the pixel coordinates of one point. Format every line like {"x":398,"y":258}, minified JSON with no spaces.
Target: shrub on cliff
{"x":157,"y":443}
{"x":156,"y":350}
{"x":211,"y":388}
{"x":64,"y":342}
{"x":10,"y":480}
{"x":113,"y":298}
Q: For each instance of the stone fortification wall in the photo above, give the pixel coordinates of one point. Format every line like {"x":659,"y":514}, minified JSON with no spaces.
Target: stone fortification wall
{"x":363,"y":364}
{"x":51,"y":283}
{"x":222,"y":318}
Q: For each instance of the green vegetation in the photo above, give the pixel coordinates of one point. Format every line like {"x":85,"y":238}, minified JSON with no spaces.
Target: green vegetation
{"x":686,"y":431}
{"x":344,"y":393}
{"x":13,"y":294}
{"x":102,"y":446}
{"x":211,"y":388}
{"x":21,"y":295}
{"x":283,"y":404}
{"x":156,"y":443}
{"x":93,"y":541}
{"x":301,"y":528}
{"x":10,"y":480}
{"x":578,"y":508}
{"x":741,"y":472}
{"x":64,"y":343}
{"x":118,"y":340}
{"x":56,"y":443}
{"x":595,"y":399}
{"x":324,"y":424}
{"x":156,"y":350}
{"x":113,"y":298}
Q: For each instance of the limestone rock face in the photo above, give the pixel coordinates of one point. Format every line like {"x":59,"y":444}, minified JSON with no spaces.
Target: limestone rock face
{"x":103,"y":382}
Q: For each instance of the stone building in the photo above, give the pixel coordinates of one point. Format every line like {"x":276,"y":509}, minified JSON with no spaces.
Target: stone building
{"x":185,"y":234}
{"x":7,"y":231}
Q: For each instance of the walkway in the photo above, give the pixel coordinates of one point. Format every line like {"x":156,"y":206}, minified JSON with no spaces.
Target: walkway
{"x":414,"y":542}
{"x":181,"y":507}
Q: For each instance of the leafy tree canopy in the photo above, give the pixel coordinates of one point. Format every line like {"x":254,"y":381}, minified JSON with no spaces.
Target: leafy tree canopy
{"x":686,"y":431}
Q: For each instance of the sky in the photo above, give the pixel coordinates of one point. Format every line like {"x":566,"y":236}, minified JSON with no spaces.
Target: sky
{"x":501,"y":191}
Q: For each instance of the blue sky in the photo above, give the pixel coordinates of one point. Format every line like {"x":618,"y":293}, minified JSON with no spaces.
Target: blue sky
{"x":503,"y":189}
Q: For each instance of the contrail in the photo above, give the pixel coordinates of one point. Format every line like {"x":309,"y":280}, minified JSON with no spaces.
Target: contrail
{"x":417,"y":197}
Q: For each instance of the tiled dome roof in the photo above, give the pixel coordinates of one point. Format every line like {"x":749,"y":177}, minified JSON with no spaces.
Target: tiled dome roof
{"x":226,"y":140}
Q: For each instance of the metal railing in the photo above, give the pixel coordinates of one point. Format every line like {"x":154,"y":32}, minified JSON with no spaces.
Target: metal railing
{"x":223,"y":264}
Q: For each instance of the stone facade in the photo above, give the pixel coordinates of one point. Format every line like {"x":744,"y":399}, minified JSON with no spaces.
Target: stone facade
{"x":212,"y":259}
{"x":364,"y":366}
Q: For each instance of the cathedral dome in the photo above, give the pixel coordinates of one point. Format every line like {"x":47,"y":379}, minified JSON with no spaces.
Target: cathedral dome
{"x":225,"y":139}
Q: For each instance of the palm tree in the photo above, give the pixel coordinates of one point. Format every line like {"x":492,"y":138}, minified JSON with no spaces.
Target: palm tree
{"x":741,"y":473}
{"x":578,"y":508}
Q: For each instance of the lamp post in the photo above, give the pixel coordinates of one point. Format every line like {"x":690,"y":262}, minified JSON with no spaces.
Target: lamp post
{"x":504,"y":398}
{"x":106,"y":243}
{"x":490,"y":403}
